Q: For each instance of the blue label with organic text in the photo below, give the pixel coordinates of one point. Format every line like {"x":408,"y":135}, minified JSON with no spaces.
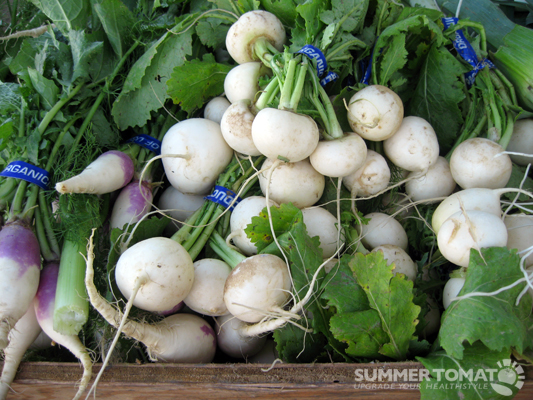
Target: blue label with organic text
{"x":147,"y":142}
{"x":466,"y":51}
{"x":224,"y":196}
{"x":28,"y":172}
{"x":315,"y":54}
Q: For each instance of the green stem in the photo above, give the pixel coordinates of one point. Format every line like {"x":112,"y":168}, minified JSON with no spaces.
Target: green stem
{"x":230,"y":256}
{"x":286,"y":89}
{"x":47,"y":253}
{"x":20,"y":194}
{"x":508,"y":133}
{"x":71,"y":308}
{"x":343,"y":46}
{"x":55,"y":109}
{"x":50,"y":233}
{"x":267,"y":95}
{"x":299,"y":85}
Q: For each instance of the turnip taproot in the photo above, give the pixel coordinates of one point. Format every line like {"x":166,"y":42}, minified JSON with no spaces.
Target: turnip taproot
{"x":110,"y":171}
{"x":21,"y":337}
{"x":44,"y":307}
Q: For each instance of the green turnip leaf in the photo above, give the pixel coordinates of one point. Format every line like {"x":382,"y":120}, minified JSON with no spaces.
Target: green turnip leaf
{"x":494,"y":320}
{"x":392,"y":298}
{"x":195,"y":82}
{"x":438,"y":93}
{"x":117,"y":22}
{"x":66,"y":14}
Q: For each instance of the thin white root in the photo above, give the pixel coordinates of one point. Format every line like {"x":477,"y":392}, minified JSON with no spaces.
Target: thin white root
{"x":35,"y":32}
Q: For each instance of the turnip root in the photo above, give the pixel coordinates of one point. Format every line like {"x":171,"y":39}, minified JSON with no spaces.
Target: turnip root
{"x":522,"y":142}
{"x":482,"y":199}
{"x":194,"y":153}
{"x":44,"y":307}
{"x":241,"y":216}
{"x":178,"y":206}
{"x":242,"y":82}
{"x":236,"y":128}
{"x":254,"y":31}
{"x":110,"y":171}
{"x":371,"y":178}
{"x":282,"y":133}
{"x":133,"y":202}
{"x":480,"y":163}
{"x":382,"y":229}
{"x":339,"y":157}
{"x":231,"y":341}
{"x":297,"y":183}
{"x":256,"y":287}
{"x":520,"y":234}
{"x":157,"y":272}
{"x":403,"y":263}
{"x":414,"y":146}
{"x":320,"y":222}
{"x":466,"y":230}
{"x":451,"y":290}
{"x":215,"y":108}
{"x":375,"y":112}
{"x":207,"y":292}
{"x":20,"y":263}
{"x":25,"y":332}
{"x":179,"y":338}
{"x":436,"y":182}
{"x":267,"y":355}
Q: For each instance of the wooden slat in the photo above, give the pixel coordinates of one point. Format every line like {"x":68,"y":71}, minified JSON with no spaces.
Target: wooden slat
{"x":57,"y":381}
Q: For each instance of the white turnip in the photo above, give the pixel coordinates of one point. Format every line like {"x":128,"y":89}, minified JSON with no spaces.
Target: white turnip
{"x":414,"y":146}
{"x":522,"y":142}
{"x":382,"y":229}
{"x":207,"y":292}
{"x":297,"y":183}
{"x":480,"y":163}
{"x":466,"y":230}
{"x":436,"y":182}
{"x":157,"y":273}
{"x":231,"y":340}
{"x":215,"y":108}
{"x":451,"y":290}
{"x":520,"y":234}
{"x":371,"y":178}
{"x":320,"y":222}
{"x":375,"y":112}
{"x":284,"y":134}
{"x":194,"y":153}
{"x":242,"y":82}
{"x":178,"y":206}
{"x":339,"y":157}
{"x":241,"y":217}
{"x":403,"y":263}
{"x":236,"y":128}
{"x":256,"y":287}
{"x":253,"y":33}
